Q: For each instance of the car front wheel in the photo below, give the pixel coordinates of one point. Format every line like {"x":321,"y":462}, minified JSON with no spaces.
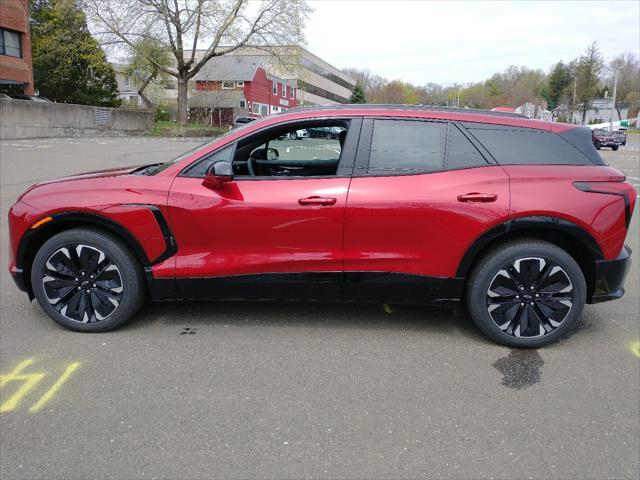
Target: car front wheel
{"x":87,"y":280}
{"x":614,"y":148}
{"x":526,"y":294}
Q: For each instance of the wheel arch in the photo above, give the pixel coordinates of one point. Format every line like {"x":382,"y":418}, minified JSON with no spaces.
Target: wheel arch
{"x":572,"y":238}
{"x":34,"y":239}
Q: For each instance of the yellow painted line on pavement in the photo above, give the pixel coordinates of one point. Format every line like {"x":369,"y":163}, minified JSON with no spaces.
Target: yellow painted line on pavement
{"x":635,"y":349}
{"x":54,"y":388}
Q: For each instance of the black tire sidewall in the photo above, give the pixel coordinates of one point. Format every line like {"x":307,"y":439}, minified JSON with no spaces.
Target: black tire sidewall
{"x":130,"y":271}
{"x":493,"y":261}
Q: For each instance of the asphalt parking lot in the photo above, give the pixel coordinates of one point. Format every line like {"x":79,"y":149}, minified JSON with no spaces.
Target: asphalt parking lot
{"x":232,"y":390}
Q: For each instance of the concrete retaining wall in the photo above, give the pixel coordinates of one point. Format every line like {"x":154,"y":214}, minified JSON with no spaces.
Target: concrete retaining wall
{"x":27,"y":119}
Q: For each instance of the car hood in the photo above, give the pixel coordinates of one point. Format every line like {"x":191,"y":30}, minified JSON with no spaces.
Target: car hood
{"x":111,"y":172}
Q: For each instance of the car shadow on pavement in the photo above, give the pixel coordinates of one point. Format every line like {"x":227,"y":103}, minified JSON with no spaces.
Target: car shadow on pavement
{"x":306,"y":315}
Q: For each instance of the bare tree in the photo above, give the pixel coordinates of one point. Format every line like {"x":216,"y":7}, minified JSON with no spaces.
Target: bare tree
{"x":218,"y":27}
{"x":588,"y":71}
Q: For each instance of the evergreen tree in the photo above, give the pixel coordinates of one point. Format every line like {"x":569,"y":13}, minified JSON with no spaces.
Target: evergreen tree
{"x":358,"y":95}
{"x":557,"y":84}
{"x":68,"y":64}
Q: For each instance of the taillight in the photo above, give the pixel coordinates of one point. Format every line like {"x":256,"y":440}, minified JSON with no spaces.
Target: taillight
{"x":620,"y":188}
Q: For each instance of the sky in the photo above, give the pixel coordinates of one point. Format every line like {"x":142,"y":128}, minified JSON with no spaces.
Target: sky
{"x":424,"y":41}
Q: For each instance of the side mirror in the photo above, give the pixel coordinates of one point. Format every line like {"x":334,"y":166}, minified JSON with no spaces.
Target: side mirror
{"x":218,"y":174}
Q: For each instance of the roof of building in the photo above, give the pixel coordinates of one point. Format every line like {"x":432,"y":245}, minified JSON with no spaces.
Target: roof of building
{"x":503,"y":109}
{"x":215,"y":99}
{"x":230,"y":68}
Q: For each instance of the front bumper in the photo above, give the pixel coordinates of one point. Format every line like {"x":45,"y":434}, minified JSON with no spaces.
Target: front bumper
{"x":608,"y":278}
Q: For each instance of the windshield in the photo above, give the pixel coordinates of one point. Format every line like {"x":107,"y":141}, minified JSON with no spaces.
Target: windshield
{"x":182,"y":156}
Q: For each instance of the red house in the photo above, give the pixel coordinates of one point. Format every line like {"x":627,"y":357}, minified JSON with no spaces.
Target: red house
{"x":232,"y":86}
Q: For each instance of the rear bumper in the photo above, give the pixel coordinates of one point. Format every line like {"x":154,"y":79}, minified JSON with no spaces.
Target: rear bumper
{"x":608,"y":279}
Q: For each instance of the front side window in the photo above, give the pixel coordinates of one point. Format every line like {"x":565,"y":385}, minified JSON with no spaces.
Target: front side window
{"x":10,"y":43}
{"x":407,"y":146}
{"x":290,"y":152}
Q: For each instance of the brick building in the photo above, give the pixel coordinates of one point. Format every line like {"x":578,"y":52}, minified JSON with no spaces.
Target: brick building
{"x":16,"y":70}
{"x":231,"y":86}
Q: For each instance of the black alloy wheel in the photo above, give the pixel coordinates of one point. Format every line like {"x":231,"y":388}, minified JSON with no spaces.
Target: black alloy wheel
{"x":526,"y":293}
{"x":87,"y":280}
{"x":82,"y":283}
{"x":529,"y":297}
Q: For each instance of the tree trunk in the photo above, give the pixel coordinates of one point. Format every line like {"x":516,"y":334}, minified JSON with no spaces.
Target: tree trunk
{"x":584,"y":113}
{"x":182,"y":99}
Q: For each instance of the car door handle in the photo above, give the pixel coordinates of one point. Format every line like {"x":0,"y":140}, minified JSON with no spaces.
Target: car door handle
{"x":317,"y":201}
{"x":478,"y":197}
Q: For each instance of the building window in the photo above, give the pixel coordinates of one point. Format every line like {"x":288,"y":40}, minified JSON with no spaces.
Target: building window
{"x":240,"y":84}
{"x":127,"y":81}
{"x":10,"y":43}
{"x":264,"y":110}
{"x":284,"y":90}
{"x":293,"y":92}
{"x":243,"y":104}
{"x":255,"y":108}
{"x":228,"y":85}
{"x":275,"y":88}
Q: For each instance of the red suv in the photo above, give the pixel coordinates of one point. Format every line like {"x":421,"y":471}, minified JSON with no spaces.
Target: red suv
{"x":520,"y":220}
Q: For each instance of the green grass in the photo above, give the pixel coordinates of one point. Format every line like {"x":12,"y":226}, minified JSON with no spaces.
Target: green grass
{"x":635,"y":130}
{"x":163,"y":128}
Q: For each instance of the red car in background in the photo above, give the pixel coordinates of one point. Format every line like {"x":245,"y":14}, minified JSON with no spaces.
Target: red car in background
{"x":520,"y":220}
{"x":602,"y":138}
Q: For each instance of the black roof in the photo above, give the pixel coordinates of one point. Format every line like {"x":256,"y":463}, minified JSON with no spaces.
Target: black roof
{"x":432,"y":108}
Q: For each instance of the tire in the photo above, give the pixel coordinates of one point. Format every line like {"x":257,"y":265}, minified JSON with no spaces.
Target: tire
{"x":293,"y":136}
{"x":597,"y":145}
{"x":87,"y":280}
{"x":614,"y":148}
{"x":506,"y":276}
{"x":329,"y":136}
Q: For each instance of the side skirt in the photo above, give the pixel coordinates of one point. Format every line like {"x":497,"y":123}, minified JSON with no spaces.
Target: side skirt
{"x":378,"y":287}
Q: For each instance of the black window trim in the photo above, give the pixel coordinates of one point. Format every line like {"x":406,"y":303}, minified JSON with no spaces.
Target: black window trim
{"x":3,"y":50}
{"x":345,"y":165}
{"x":361,"y":168}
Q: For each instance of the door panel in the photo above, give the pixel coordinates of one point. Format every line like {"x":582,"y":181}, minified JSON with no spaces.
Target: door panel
{"x":416,"y":224}
{"x":250,"y":227}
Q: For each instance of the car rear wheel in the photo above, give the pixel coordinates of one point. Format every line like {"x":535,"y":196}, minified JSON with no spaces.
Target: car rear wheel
{"x":526,"y":294}
{"x":614,"y":148}
{"x":87,"y":280}
{"x":597,"y":145}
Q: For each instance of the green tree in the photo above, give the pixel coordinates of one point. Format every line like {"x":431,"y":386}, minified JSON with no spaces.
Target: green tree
{"x":68,"y":64}
{"x":144,"y":67}
{"x":588,"y":70}
{"x":557,"y":84}
{"x":358,"y":95}
{"x":195,"y":31}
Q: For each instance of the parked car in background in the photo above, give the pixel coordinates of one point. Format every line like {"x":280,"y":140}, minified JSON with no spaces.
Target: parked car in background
{"x":520,"y":221}
{"x":239,"y":121}
{"x":299,"y":134}
{"x":330,"y":133}
{"x":602,"y":138}
{"x":621,"y":136}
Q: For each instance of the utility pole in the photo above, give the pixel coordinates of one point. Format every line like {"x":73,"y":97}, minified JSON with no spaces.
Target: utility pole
{"x":573,"y":104}
{"x":613,"y":100}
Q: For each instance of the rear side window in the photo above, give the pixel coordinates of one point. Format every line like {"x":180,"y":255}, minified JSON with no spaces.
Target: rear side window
{"x":528,"y":146}
{"x":407,"y":146}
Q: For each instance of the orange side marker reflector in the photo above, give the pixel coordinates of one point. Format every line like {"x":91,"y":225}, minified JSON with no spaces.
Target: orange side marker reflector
{"x":41,"y":222}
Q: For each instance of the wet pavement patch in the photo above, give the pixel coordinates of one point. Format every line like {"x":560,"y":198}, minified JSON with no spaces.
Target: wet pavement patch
{"x":520,"y":369}
{"x":189,"y":331}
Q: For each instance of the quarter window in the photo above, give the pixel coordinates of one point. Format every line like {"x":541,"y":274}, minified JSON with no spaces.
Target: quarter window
{"x":407,"y":146}
{"x":460,"y":151}
{"x":528,"y":146}
{"x":10,"y":43}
